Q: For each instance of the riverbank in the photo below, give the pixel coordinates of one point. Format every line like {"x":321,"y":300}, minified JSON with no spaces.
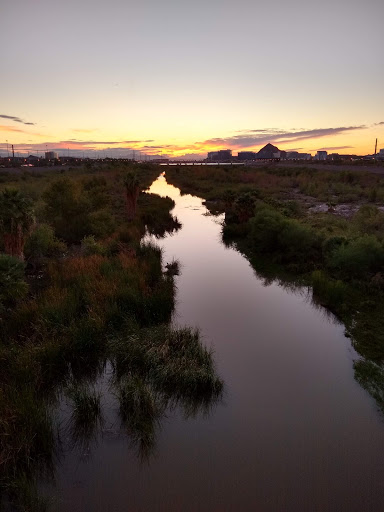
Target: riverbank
{"x":271,"y":219}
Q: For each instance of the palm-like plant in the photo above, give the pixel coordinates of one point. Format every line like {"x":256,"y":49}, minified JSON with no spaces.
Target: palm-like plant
{"x":132,"y":190}
{"x":16,"y":221}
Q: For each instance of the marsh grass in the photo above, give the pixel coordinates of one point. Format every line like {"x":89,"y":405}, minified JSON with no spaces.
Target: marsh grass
{"x":86,"y":415}
{"x":159,"y":369}
{"x":328,"y":292}
{"x":28,"y":441}
{"x":173,"y":268}
{"x":25,"y":496}
{"x":174,"y":361}
{"x":141,"y":410}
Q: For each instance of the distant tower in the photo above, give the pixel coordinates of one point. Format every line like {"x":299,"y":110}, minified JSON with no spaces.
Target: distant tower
{"x":375,"y":147}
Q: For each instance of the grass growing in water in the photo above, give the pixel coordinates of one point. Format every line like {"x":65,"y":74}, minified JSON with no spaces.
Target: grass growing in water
{"x":141,"y":410}
{"x":86,"y":412}
{"x":175,"y":362}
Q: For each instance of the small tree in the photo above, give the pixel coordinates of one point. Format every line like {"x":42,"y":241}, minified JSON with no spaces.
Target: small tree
{"x":132,"y":190}
{"x":16,"y":221}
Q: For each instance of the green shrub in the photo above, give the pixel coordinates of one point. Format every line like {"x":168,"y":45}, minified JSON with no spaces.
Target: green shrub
{"x":101,"y":223}
{"x":287,"y":239}
{"x":369,"y":219}
{"x":42,"y":243}
{"x":90,"y":246}
{"x":328,"y":292}
{"x":12,"y":282}
{"x":67,"y":210}
{"x":360,"y":258}
{"x":75,"y":212}
{"x":331,"y":244}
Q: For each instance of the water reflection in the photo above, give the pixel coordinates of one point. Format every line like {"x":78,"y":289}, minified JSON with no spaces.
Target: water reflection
{"x":363,"y":326}
{"x":152,"y":371}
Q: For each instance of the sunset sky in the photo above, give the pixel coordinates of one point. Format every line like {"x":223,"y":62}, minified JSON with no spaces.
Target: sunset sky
{"x":176,"y":77}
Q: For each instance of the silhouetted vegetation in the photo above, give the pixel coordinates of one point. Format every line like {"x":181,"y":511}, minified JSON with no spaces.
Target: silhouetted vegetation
{"x":16,"y":220}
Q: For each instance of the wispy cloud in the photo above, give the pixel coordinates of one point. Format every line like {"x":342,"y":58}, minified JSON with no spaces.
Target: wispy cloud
{"x":254,"y":138}
{"x":333,"y":148}
{"x":4,"y":128}
{"x":16,"y":119}
{"x":89,"y":143}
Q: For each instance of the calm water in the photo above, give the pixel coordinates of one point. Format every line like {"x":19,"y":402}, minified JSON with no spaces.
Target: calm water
{"x":294,"y":432}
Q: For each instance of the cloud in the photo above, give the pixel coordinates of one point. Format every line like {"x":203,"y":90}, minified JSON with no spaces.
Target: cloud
{"x":4,"y":128}
{"x":260,"y":137}
{"x":137,"y":141}
{"x":377,"y":124}
{"x":332,"y":148}
{"x":89,"y":142}
{"x":16,"y":119}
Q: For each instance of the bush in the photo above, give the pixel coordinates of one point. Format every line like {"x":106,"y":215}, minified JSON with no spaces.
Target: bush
{"x":12,"y":283}
{"x":369,"y":219}
{"x":328,"y":292}
{"x":331,"y":244}
{"x":67,"y":210}
{"x":75,"y":212}
{"x":287,"y":239}
{"x":360,"y":258}
{"x":42,"y":243}
{"x":90,"y":246}
{"x":101,"y":223}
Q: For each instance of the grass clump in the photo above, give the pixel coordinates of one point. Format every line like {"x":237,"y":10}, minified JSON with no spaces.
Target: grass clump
{"x":27,"y":441}
{"x":141,"y":409}
{"x":175,"y":361}
{"x":173,"y":268}
{"x":86,"y":412}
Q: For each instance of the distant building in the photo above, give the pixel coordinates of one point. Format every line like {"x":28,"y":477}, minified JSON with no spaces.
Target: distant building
{"x":380,"y":154}
{"x":160,"y":160}
{"x":32,"y":159}
{"x":321,"y":155}
{"x":246,"y":155}
{"x":224,"y":155}
{"x":295,"y":155}
{"x":51,"y":155}
{"x":334,"y":157}
{"x":269,"y":152}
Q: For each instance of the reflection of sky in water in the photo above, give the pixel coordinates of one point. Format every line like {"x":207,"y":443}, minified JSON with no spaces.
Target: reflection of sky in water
{"x":296,"y":432}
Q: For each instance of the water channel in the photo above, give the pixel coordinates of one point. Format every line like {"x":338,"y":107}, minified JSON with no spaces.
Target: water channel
{"x":294,"y":431}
